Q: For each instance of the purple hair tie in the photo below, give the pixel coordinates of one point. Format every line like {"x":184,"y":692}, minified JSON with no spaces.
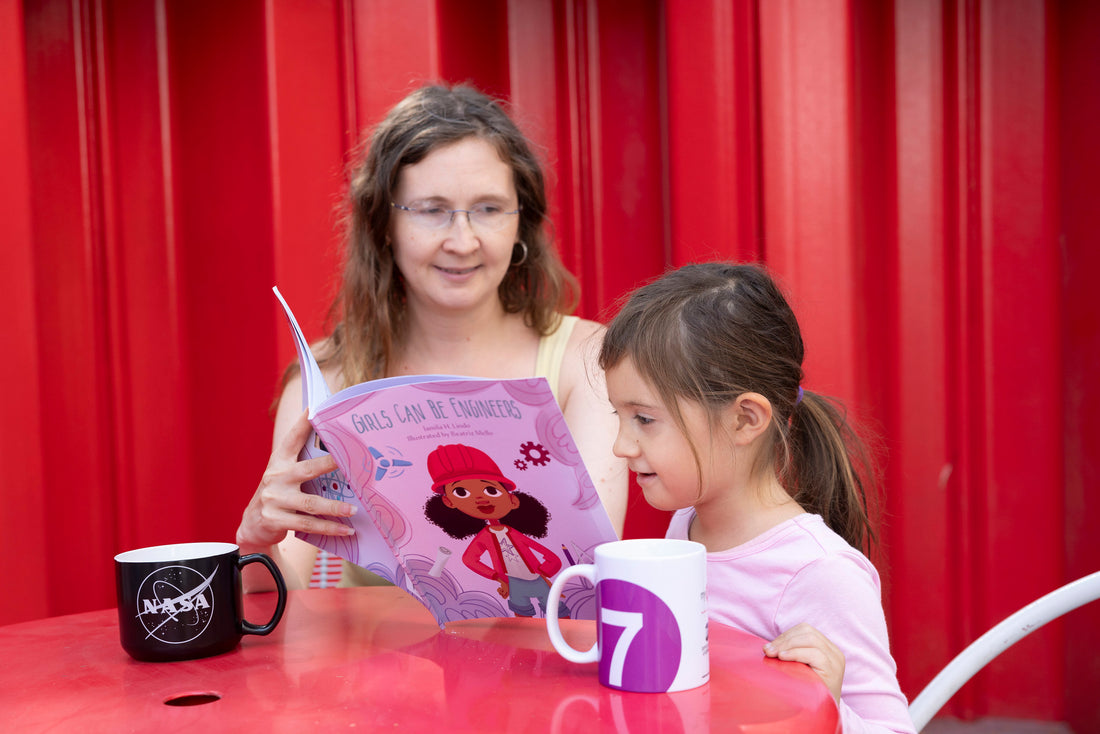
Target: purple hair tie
{"x":799,"y":398}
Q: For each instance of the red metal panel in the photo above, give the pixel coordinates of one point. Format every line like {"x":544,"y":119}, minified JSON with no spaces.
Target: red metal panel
{"x":546,"y":74}
{"x":1021,"y":288}
{"x":711,"y":103}
{"x":534,"y":71}
{"x":805,"y":82}
{"x":183,"y":156}
{"x":150,"y":404}
{"x":576,"y":166}
{"x":21,"y":430}
{"x":395,"y":48}
{"x":309,"y":141}
{"x":70,"y":299}
{"x":626,"y":117}
{"x":1079,"y":108}
{"x":615,"y":88}
{"x":473,"y":43}
{"x":1000,"y":281}
{"x":874,"y":230}
{"x":613,"y":220}
{"x":925,"y":626}
{"x":966,"y":378}
{"x":223,"y":233}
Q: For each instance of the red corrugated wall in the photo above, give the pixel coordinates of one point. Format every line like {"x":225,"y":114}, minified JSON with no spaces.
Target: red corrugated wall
{"x":919,"y":173}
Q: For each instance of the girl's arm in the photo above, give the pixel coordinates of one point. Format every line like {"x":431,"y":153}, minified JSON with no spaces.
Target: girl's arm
{"x":838,"y":596}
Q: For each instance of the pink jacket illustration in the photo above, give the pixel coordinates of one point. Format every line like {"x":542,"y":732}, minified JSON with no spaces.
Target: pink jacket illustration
{"x":471,"y":497}
{"x":486,"y":542}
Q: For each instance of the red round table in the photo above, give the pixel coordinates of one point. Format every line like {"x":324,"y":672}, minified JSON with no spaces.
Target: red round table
{"x":372,"y":659}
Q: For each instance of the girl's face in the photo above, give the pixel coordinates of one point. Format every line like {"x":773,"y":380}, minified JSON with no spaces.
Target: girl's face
{"x":461,"y":265}
{"x":657,"y":450}
{"x":481,"y":498}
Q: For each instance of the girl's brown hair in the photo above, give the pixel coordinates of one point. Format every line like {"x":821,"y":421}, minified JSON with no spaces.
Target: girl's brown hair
{"x":713,"y":331}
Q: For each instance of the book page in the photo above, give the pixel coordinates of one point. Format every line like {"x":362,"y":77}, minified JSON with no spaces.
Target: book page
{"x":476,"y":485}
{"x":367,"y":548}
{"x":314,"y":388}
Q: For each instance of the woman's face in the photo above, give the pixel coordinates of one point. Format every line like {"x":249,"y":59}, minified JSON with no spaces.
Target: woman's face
{"x":460,"y":266}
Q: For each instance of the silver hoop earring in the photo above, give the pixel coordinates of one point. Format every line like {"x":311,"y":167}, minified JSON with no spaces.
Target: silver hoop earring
{"x":523,"y":259}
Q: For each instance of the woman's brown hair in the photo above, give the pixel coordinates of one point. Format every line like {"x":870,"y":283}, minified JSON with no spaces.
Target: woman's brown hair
{"x":369,"y":309}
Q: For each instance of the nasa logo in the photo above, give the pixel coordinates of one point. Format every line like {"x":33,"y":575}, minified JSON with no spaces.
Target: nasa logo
{"x":175,"y":604}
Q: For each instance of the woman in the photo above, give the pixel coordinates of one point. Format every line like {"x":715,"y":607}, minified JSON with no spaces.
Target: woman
{"x":448,"y":271}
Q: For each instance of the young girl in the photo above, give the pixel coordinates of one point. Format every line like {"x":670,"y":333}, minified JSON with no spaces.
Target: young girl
{"x":704,"y":369}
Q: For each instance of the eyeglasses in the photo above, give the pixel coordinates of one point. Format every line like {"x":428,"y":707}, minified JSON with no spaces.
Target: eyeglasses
{"x":488,"y":217}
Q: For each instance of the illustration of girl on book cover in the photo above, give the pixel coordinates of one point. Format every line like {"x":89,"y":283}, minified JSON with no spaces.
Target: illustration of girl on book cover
{"x":471,"y":497}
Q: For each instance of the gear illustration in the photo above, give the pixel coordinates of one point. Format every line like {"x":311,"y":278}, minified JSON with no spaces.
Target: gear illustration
{"x":535,"y":453}
{"x":520,"y":464}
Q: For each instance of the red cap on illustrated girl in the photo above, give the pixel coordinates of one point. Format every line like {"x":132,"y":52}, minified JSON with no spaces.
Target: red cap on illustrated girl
{"x":455,"y":461}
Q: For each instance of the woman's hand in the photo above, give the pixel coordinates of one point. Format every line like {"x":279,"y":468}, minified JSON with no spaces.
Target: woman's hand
{"x":804,"y":644}
{"x":279,"y":505}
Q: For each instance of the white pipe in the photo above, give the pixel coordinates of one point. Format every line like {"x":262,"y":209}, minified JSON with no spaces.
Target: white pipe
{"x":997,"y":640}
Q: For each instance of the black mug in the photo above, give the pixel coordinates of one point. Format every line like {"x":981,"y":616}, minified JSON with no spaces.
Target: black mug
{"x":183,"y":601}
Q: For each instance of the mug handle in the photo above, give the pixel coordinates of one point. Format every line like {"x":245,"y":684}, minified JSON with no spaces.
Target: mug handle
{"x":564,"y":649}
{"x":246,"y":627}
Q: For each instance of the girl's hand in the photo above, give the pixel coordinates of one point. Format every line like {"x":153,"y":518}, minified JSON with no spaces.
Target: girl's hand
{"x":503,"y":590}
{"x":279,"y":504}
{"x":804,"y":644}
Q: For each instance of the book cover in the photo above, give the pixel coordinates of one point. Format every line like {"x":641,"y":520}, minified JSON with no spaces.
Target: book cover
{"x":472,"y":492}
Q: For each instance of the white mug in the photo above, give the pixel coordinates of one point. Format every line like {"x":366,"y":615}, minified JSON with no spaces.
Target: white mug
{"x":651,"y":615}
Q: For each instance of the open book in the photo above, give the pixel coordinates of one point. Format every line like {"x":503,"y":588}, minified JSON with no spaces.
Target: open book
{"x":472,"y":494}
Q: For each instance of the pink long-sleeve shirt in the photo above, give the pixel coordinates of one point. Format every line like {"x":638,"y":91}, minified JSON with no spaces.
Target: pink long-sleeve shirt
{"x":801,"y":571}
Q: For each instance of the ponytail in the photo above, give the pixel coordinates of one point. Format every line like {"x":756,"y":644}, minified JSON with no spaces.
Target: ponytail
{"x":829,"y":468}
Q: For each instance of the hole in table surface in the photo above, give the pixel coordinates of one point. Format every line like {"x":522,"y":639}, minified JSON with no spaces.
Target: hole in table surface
{"x":192,"y":699}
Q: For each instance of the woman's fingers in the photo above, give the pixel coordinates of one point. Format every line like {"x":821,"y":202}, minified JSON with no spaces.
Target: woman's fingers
{"x":277,"y":509}
{"x":285,"y":506}
{"x":280,"y":506}
{"x":286,"y":494}
{"x":315,"y":522}
{"x":295,"y":472}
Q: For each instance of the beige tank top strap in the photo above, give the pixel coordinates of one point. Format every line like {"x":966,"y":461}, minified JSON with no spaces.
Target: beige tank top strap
{"x":551,"y":352}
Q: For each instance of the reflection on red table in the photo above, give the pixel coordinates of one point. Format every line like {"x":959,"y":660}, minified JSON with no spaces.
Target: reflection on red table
{"x":371,"y":658}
